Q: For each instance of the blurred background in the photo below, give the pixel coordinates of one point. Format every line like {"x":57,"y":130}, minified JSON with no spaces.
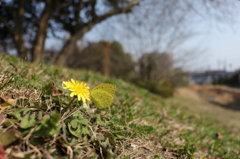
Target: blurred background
{"x":155,"y":44}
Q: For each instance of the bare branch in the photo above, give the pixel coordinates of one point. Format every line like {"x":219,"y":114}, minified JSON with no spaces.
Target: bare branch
{"x":82,"y":29}
{"x":7,"y":25}
{"x":120,"y":10}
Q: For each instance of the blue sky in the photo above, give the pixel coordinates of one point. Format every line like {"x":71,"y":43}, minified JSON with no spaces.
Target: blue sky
{"x":222,"y":47}
{"x":216,"y":46}
{"x":219,"y":46}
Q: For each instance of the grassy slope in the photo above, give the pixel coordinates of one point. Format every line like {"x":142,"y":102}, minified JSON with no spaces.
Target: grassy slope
{"x":227,"y":118}
{"x":138,"y":124}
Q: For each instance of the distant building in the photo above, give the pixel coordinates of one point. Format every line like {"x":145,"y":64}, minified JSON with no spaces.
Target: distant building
{"x":208,"y":77}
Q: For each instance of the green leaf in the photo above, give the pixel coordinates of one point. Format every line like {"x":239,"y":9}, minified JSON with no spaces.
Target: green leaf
{"x":109,"y":136}
{"x":18,"y":112}
{"x":71,"y":140}
{"x":99,"y":121}
{"x":74,"y":123}
{"x":9,"y":136}
{"x":28,"y":121}
{"x":47,"y":89}
{"x":85,"y":130}
{"x":8,"y":122}
{"x":75,"y":128}
{"x":83,"y":121}
{"x":106,"y":148}
{"x":77,"y":150}
{"x":49,"y":125}
{"x":119,"y":136}
{"x":78,"y":115}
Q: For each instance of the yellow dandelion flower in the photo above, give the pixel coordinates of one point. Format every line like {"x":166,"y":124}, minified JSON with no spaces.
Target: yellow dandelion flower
{"x":78,"y":88}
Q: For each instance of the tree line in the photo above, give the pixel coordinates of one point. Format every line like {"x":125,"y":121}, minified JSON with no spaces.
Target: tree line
{"x":25,"y":24}
{"x":154,"y":71}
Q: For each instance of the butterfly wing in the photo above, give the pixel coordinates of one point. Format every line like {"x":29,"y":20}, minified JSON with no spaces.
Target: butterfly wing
{"x":102,"y":95}
{"x":110,"y":88}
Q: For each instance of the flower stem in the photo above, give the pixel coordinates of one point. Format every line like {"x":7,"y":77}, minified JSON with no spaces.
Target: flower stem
{"x":69,"y":105}
{"x":68,"y":109}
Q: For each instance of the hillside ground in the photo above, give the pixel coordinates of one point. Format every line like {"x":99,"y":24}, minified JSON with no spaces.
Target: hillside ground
{"x":221,"y":103}
{"x":38,"y":119}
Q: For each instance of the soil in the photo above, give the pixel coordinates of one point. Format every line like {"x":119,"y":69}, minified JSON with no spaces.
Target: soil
{"x":224,"y":96}
{"x":220,"y":103}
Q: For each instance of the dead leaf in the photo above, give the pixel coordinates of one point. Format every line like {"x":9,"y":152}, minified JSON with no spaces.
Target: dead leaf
{"x":9,"y":136}
{"x":2,"y":118}
{"x":3,"y":79}
{"x":54,"y":89}
{"x":7,"y":101}
{"x":219,"y":136}
{"x":2,"y":152}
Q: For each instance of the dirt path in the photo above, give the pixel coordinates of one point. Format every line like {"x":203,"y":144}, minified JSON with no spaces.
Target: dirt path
{"x":198,"y":104}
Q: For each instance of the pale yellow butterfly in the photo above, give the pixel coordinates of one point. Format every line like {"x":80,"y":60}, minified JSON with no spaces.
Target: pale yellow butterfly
{"x":102,"y":95}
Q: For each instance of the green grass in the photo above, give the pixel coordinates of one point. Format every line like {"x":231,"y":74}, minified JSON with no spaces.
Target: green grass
{"x":137,"y":124}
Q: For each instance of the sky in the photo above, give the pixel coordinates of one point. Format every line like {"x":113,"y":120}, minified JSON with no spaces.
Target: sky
{"x":218,"y":44}
{"x":224,"y":49}
{"x":219,"y":47}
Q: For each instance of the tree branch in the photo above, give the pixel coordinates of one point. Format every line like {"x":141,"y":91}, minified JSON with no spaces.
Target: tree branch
{"x":125,"y":9}
{"x":63,"y":5}
{"x":83,"y":28}
{"x":7,"y":25}
{"x":93,"y":11}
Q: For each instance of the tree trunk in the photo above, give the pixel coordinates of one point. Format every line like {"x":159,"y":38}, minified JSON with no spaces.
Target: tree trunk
{"x":106,"y":58}
{"x":66,"y":51}
{"x":68,"y":47}
{"x":39,"y":42}
{"x":61,"y":58}
{"x":17,"y":31}
{"x":20,"y":46}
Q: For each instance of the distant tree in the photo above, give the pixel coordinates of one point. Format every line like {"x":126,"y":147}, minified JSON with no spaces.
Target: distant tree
{"x":6,"y":43}
{"x":90,"y":58}
{"x":121,"y":65}
{"x":156,"y":73}
{"x":77,"y":26}
{"x":166,"y":26}
{"x":12,"y":24}
{"x":104,"y":57}
{"x":155,"y":66}
{"x":29,"y":22}
{"x":232,"y":81}
{"x":178,"y":77}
